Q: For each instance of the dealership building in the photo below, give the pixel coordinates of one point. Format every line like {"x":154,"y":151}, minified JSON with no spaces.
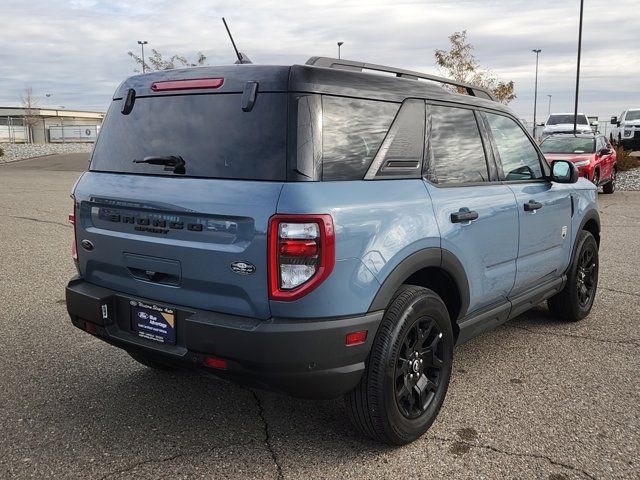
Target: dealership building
{"x":48,"y":125}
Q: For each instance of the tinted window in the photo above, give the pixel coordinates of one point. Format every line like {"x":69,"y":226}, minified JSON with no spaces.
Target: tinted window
{"x":632,"y":115}
{"x":558,"y":119}
{"x":518,"y":156}
{"x":352,"y":131}
{"x":210,"y":132}
{"x":456,"y":150}
{"x":567,"y":145}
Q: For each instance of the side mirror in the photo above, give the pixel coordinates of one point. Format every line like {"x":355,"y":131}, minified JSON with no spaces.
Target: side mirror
{"x":604,"y":151}
{"x":564,"y":172}
{"x":614,"y":120}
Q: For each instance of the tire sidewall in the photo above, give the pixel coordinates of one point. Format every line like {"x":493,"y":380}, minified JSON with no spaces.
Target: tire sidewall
{"x":399,"y":427}
{"x":585,"y":239}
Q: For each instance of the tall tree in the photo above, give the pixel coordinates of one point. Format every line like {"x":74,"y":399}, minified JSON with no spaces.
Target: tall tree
{"x":155,"y":61}
{"x":459,"y":63}
{"x":30,"y":116}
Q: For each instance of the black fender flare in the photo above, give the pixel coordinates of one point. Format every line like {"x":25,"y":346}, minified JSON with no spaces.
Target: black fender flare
{"x":427,"y":257}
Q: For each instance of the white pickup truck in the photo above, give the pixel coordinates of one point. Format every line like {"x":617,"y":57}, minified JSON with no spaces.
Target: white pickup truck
{"x":563,"y":123}
{"x":626,"y":130}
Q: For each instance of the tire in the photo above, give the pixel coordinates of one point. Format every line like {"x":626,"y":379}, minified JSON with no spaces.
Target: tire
{"x":596,"y":177}
{"x":147,"y":361}
{"x":410,"y":360}
{"x":575,"y":300}
{"x":610,"y":186}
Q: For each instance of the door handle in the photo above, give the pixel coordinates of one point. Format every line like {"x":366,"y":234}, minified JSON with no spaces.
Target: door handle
{"x":464,"y":215}
{"x":532,"y":206}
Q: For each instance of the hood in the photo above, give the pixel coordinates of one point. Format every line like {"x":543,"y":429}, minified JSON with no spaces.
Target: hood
{"x":571,"y":157}
{"x":566,"y":127}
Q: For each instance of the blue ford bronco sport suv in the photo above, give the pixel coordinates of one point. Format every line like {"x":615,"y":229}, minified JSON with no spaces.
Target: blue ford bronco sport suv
{"x":327,"y":229}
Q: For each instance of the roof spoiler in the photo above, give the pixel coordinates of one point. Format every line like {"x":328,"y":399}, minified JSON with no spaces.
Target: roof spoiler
{"x":352,"y":65}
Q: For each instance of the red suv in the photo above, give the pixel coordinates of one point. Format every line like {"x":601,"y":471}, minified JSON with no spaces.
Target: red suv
{"x":592,"y":154}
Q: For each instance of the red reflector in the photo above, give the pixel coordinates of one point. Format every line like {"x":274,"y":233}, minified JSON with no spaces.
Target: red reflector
{"x":356,"y":338}
{"x":218,"y":363}
{"x":194,"y":84}
{"x":298,"y":248}
{"x":91,"y":328}
{"x":72,"y":218}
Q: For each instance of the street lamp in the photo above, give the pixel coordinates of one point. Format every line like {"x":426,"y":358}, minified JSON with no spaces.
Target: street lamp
{"x":575,"y":110}
{"x":549,"y":112}
{"x":339,"y":45}
{"x":142,"y":43}
{"x":535,"y":95}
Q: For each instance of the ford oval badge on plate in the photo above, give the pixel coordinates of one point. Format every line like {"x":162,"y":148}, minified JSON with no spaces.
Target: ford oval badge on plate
{"x":243,"y":268}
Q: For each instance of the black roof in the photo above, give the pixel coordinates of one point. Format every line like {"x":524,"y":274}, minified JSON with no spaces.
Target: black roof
{"x":308,"y":79}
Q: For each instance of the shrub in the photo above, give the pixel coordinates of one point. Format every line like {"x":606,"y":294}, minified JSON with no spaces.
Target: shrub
{"x":1,"y":152}
{"x":625,"y":161}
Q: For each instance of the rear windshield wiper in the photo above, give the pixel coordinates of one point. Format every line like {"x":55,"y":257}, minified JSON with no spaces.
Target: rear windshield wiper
{"x":173,"y":163}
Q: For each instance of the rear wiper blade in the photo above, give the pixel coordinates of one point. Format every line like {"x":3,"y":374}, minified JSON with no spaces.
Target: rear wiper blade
{"x":173,"y":163}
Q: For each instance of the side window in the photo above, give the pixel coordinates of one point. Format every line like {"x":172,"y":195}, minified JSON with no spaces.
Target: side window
{"x":519,"y":158}
{"x":352,"y":131}
{"x":456,"y":153}
{"x":600,"y":143}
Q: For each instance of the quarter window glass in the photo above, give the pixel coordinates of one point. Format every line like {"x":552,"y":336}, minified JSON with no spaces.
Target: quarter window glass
{"x":456,"y":150}
{"x":518,"y":156}
{"x":352,"y":131}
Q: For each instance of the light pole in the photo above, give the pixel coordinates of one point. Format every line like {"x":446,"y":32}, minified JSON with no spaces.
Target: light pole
{"x":142,"y":43}
{"x":549,"y":112}
{"x":339,"y":45}
{"x":535,"y":94}
{"x":575,"y":110}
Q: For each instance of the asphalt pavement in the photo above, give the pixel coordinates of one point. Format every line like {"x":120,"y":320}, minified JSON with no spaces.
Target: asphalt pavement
{"x":536,"y":398}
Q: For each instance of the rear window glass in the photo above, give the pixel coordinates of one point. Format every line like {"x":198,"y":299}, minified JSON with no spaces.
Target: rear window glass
{"x":211,"y":133}
{"x":566,"y":119}
{"x":352,"y":131}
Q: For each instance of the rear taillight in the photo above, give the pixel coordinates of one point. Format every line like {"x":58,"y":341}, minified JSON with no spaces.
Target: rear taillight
{"x":301,"y":254}
{"x":72,"y":221}
{"x":193,"y":84}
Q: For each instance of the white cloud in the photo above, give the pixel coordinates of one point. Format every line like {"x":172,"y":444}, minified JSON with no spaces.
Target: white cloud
{"x":77,"y":49}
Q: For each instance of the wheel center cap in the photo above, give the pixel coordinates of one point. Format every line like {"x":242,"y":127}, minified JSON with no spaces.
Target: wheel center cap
{"x":415,"y":367}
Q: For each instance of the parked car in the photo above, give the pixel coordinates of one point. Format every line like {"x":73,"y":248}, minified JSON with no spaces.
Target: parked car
{"x":322,"y":231}
{"x":592,"y":154}
{"x":558,"y":123}
{"x":626,"y":131}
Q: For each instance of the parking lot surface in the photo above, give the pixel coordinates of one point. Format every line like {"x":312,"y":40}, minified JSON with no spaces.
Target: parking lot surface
{"x":536,"y":398}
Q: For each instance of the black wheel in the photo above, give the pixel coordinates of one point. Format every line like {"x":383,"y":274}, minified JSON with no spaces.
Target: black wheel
{"x":610,"y":186}
{"x":408,"y":371}
{"x":150,"y":362}
{"x":596,"y":177}
{"x":574,"y":302}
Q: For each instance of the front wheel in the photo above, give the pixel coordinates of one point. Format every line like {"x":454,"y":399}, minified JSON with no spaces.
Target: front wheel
{"x":408,"y":371}
{"x":575,"y":300}
{"x":610,"y":186}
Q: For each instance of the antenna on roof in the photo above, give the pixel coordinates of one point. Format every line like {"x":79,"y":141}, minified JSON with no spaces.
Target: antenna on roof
{"x":242,"y":58}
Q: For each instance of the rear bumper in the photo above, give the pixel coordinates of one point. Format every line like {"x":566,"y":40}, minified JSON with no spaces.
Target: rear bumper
{"x":304,"y":358}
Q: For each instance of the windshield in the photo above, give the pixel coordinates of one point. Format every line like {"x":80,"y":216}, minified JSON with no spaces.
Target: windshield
{"x":632,"y":115}
{"x":558,"y":119}
{"x":568,"y":145}
{"x":211,"y":133}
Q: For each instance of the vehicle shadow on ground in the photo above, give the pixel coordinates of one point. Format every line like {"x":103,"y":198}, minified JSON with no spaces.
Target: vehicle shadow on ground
{"x":135,"y":410}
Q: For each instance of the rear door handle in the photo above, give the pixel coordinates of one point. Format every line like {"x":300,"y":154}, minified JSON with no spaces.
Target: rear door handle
{"x":464,"y":215}
{"x":532,"y":206}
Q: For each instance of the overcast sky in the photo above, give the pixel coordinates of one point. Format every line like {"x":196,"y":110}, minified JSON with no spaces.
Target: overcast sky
{"x":76,"y":50}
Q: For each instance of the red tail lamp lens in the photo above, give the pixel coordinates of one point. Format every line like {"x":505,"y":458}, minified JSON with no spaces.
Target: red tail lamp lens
{"x":356,"y":338}
{"x":72,"y":221}
{"x":217,"y":363}
{"x":298,"y":248}
{"x":194,"y":84}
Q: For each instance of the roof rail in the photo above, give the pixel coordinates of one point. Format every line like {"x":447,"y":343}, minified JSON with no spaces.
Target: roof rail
{"x":352,"y":65}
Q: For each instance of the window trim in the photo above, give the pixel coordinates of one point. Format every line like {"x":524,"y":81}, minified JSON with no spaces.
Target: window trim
{"x":427,"y":149}
{"x":545,"y":168}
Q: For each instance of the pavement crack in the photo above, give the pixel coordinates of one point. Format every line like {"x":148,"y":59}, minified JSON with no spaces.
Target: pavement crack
{"x":133,"y":466}
{"x":267,"y":435}
{"x":516,"y":454}
{"x":633,"y":342}
{"x":619,"y":291}
{"x":40,"y":221}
